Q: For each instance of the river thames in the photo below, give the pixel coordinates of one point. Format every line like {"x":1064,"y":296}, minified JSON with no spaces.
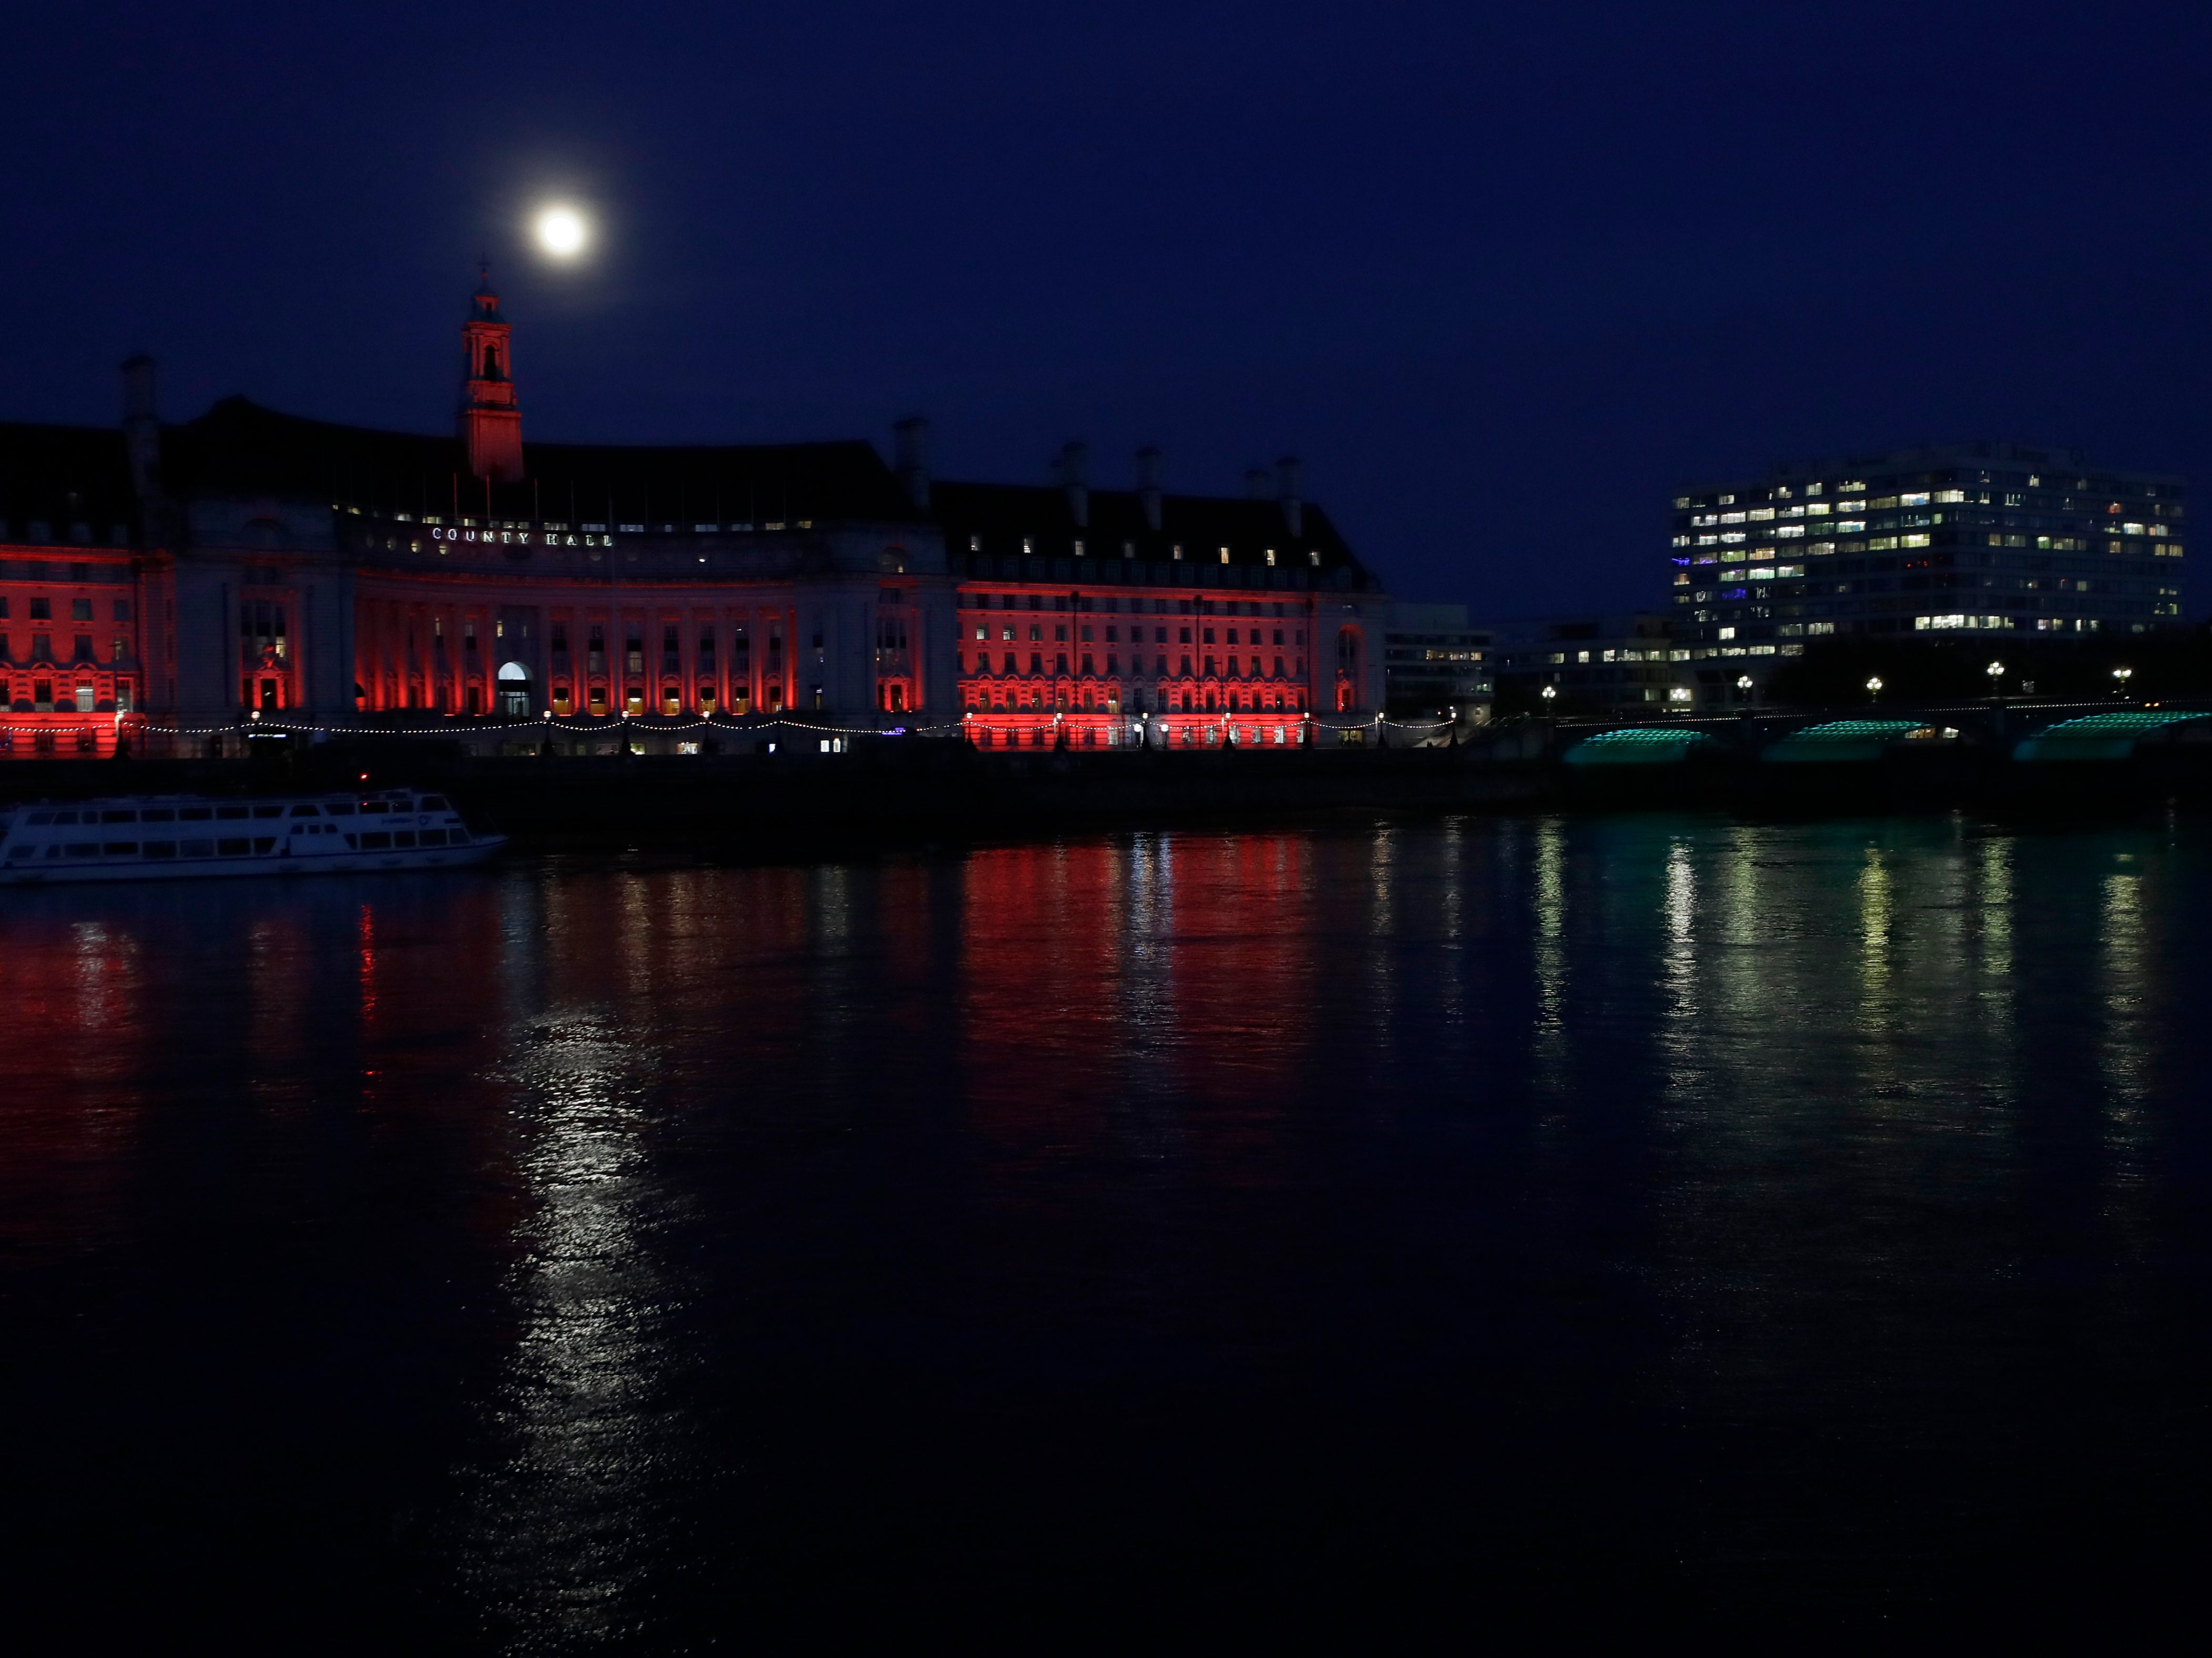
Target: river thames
{"x":1645,"y":1219}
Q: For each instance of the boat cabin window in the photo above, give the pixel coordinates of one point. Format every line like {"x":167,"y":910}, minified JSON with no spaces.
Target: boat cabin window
{"x":230,"y":811}
{"x":307,"y":812}
{"x":435,"y":802}
{"x":340,"y":809}
{"x":158,"y":815}
{"x":195,"y":814}
{"x":126,"y":816}
{"x":269,"y":812}
{"x":65,"y":817}
{"x":42,"y":817}
{"x":376,"y":805}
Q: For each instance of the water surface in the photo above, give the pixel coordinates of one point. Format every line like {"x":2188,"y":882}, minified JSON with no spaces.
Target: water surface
{"x":1640,"y":1216}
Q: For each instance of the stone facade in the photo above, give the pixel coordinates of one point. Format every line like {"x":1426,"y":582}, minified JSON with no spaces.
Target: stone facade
{"x":250,"y":567}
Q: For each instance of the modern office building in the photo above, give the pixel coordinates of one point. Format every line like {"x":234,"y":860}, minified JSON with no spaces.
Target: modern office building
{"x":1434,"y":664}
{"x":1938,"y":542}
{"x":1626,"y":665}
{"x":165,"y":581}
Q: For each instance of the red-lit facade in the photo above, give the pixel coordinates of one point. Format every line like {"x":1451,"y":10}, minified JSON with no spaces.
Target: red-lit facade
{"x":165,"y":584}
{"x":1192,"y":622}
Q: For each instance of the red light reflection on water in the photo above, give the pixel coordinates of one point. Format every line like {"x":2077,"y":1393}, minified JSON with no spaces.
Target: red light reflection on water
{"x":365,"y":931}
{"x":1110,"y":981}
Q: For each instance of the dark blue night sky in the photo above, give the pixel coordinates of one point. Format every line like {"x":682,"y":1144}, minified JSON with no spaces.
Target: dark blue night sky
{"x":1503,"y":274}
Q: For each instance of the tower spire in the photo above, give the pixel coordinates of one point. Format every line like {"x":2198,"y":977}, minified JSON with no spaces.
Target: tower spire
{"x":491,"y":424}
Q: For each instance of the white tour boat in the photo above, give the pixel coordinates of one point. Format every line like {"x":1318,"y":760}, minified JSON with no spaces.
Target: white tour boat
{"x":141,"y":837}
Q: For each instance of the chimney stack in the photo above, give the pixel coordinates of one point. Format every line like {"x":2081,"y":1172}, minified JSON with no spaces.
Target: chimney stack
{"x":1290,"y":471}
{"x":1148,"y":485}
{"x":141,"y":426}
{"x":910,"y":452}
{"x":1074,"y":466}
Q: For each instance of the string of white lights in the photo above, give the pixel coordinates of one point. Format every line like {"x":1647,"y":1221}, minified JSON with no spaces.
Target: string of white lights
{"x":973,"y":720}
{"x":544,"y":722}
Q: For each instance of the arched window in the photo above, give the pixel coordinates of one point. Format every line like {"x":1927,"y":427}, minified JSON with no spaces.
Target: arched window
{"x":513,"y":690}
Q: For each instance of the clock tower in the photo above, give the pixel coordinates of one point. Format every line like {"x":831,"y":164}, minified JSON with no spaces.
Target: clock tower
{"x":491,"y":425}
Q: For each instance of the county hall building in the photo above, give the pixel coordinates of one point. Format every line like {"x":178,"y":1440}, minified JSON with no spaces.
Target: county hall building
{"x":168,"y":584}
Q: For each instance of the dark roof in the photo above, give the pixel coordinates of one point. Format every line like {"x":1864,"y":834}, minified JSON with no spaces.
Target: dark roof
{"x":238,"y":447}
{"x":63,"y":475}
{"x":1004,"y":513}
{"x":1944,"y":463}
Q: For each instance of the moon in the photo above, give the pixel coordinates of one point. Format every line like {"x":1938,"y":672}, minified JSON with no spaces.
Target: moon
{"x":561,"y":232}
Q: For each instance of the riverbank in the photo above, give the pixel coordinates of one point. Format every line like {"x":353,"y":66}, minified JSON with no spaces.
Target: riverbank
{"x":883,"y":795}
{"x":913,"y":793}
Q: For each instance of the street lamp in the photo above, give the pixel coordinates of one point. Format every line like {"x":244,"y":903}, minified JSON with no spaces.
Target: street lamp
{"x":1873,"y":687}
{"x":1550,"y":691}
{"x":2121,"y":675}
{"x":1743,"y":684}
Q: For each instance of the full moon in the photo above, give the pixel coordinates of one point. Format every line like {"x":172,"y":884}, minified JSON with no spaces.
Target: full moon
{"x":561,"y":232}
